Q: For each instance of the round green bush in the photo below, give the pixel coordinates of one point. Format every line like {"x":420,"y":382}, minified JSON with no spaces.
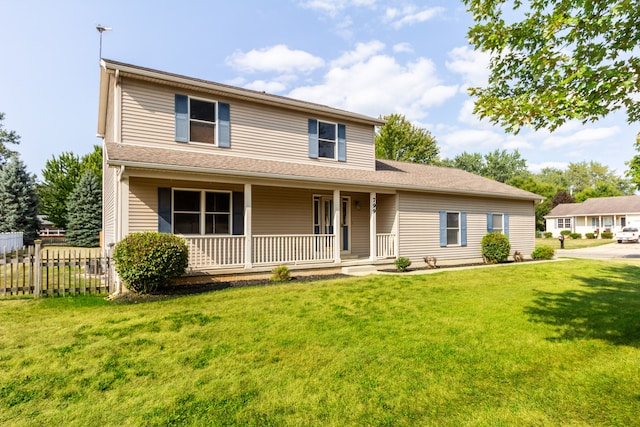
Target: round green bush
{"x":566,"y":232}
{"x":495,"y":247}
{"x":590,"y":235}
{"x":548,"y":234}
{"x":147,"y":260}
{"x":543,"y":252}
{"x":402,"y":263}
{"x":607,"y":235}
{"x":576,"y":236}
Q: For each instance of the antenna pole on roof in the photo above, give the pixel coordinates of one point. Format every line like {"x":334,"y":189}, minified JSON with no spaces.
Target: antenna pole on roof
{"x":101,"y":30}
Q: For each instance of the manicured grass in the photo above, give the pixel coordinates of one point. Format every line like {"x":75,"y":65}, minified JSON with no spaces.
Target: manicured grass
{"x":574,"y":244}
{"x":542,"y":344}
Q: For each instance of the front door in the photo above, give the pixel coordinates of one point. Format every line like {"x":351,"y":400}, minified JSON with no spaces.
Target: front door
{"x":323,"y":218}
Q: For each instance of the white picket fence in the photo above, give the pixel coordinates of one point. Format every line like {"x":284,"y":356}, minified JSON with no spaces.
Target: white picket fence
{"x":11,"y":241}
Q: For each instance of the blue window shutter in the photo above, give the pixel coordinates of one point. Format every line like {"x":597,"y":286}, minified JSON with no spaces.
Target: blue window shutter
{"x":443,"y":228}
{"x":238,"y":213}
{"x":313,"y":138}
{"x":164,"y":210}
{"x":182,"y":118}
{"x":342,"y":143}
{"x":224,"y":125}
{"x":463,"y":229}
{"x":506,"y":224}
{"x":489,"y":223}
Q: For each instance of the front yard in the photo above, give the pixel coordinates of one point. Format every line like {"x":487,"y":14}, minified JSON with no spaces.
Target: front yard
{"x":528,"y":344}
{"x":574,"y":243}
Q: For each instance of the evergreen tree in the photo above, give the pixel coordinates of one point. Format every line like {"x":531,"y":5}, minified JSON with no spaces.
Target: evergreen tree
{"x":84,"y":212}
{"x":18,"y":200}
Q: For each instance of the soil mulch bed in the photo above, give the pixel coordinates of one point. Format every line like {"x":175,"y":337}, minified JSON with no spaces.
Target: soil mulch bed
{"x":176,"y":291}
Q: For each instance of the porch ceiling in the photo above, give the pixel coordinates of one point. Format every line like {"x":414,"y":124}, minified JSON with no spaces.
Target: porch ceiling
{"x":388,"y":173}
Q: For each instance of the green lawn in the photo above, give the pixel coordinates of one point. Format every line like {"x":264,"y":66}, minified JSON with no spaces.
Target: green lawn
{"x":542,"y":344}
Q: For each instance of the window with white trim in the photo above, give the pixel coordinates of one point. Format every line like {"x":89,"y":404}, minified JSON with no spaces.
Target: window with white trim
{"x":453,"y":228}
{"x":595,"y":222}
{"x":202,"y":121}
{"x":497,"y":223}
{"x":201,"y":212}
{"x":564,"y":223}
{"x":327,"y":139}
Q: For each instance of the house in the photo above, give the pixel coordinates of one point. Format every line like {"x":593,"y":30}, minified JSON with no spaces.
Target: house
{"x":253,"y":180}
{"x":594,"y":215}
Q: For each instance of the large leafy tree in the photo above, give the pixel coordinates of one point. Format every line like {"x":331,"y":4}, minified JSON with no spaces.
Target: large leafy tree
{"x":6,"y":137}
{"x":60,"y":176}
{"x":84,"y":212}
{"x":557,"y":60}
{"x":399,"y":140}
{"x":18,"y":200}
{"x":633,"y":173}
{"x":499,"y":165}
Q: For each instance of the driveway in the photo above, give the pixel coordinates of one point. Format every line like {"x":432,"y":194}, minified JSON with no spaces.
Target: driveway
{"x":610,"y":251}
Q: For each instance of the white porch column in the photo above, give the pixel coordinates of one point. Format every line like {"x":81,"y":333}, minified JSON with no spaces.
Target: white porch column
{"x":373,"y":239}
{"x":337,"y":227}
{"x":248,"y":234}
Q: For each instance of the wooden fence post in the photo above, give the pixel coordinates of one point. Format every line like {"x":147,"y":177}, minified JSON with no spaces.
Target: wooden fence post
{"x":37,"y":269}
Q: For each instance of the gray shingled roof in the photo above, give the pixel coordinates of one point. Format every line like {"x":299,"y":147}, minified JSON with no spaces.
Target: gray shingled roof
{"x":388,"y":174}
{"x":598,"y":206}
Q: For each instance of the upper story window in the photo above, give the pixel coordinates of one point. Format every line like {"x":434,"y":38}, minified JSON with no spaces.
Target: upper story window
{"x":203,"y":121}
{"x":327,"y":140}
{"x":327,"y":133}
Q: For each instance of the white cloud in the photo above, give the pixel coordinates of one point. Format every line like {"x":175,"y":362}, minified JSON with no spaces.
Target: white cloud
{"x":516,"y":143}
{"x":277,"y":58}
{"x":402,"y":48}
{"x":472,"y":65}
{"x":472,"y":140}
{"x":362,"y":52}
{"x":265,"y":86}
{"x":581,"y":138}
{"x":537,"y":167}
{"x":410,"y":15}
{"x":332,"y":7}
{"x":379,"y":85}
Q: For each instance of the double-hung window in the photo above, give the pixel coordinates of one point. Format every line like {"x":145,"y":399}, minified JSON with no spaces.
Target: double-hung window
{"x":327,"y":140}
{"x":203,"y":121}
{"x":201,"y":212}
{"x":327,"y":134}
{"x":564,"y":223}
{"x":453,"y":228}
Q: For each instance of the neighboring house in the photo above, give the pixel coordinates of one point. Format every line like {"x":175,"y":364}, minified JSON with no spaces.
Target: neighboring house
{"x":253,"y":180}
{"x":594,"y":215}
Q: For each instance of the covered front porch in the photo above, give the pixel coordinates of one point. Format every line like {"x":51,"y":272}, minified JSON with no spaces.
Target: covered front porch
{"x":243,"y":227}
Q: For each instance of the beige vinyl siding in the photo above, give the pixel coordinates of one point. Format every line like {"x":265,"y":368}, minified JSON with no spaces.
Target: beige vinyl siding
{"x":420,"y":225}
{"x":143,"y":199}
{"x":256,"y":131}
{"x":278,"y":210}
{"x":385,"y":213}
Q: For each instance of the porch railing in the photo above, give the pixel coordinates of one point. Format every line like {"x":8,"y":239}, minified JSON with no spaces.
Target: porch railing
{"x":214,"y":251}
{"x":385,"y":245}
{"x":229,"y":251}
{"x":271,"y":249}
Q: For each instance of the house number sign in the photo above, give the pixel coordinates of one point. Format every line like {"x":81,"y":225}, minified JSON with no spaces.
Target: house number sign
{"x":373,"y":205}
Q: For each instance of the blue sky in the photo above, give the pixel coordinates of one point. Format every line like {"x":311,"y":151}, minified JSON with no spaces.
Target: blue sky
{"x":368,"y":56}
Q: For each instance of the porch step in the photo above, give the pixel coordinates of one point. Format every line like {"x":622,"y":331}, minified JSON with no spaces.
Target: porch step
{"x":359,"y":270}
